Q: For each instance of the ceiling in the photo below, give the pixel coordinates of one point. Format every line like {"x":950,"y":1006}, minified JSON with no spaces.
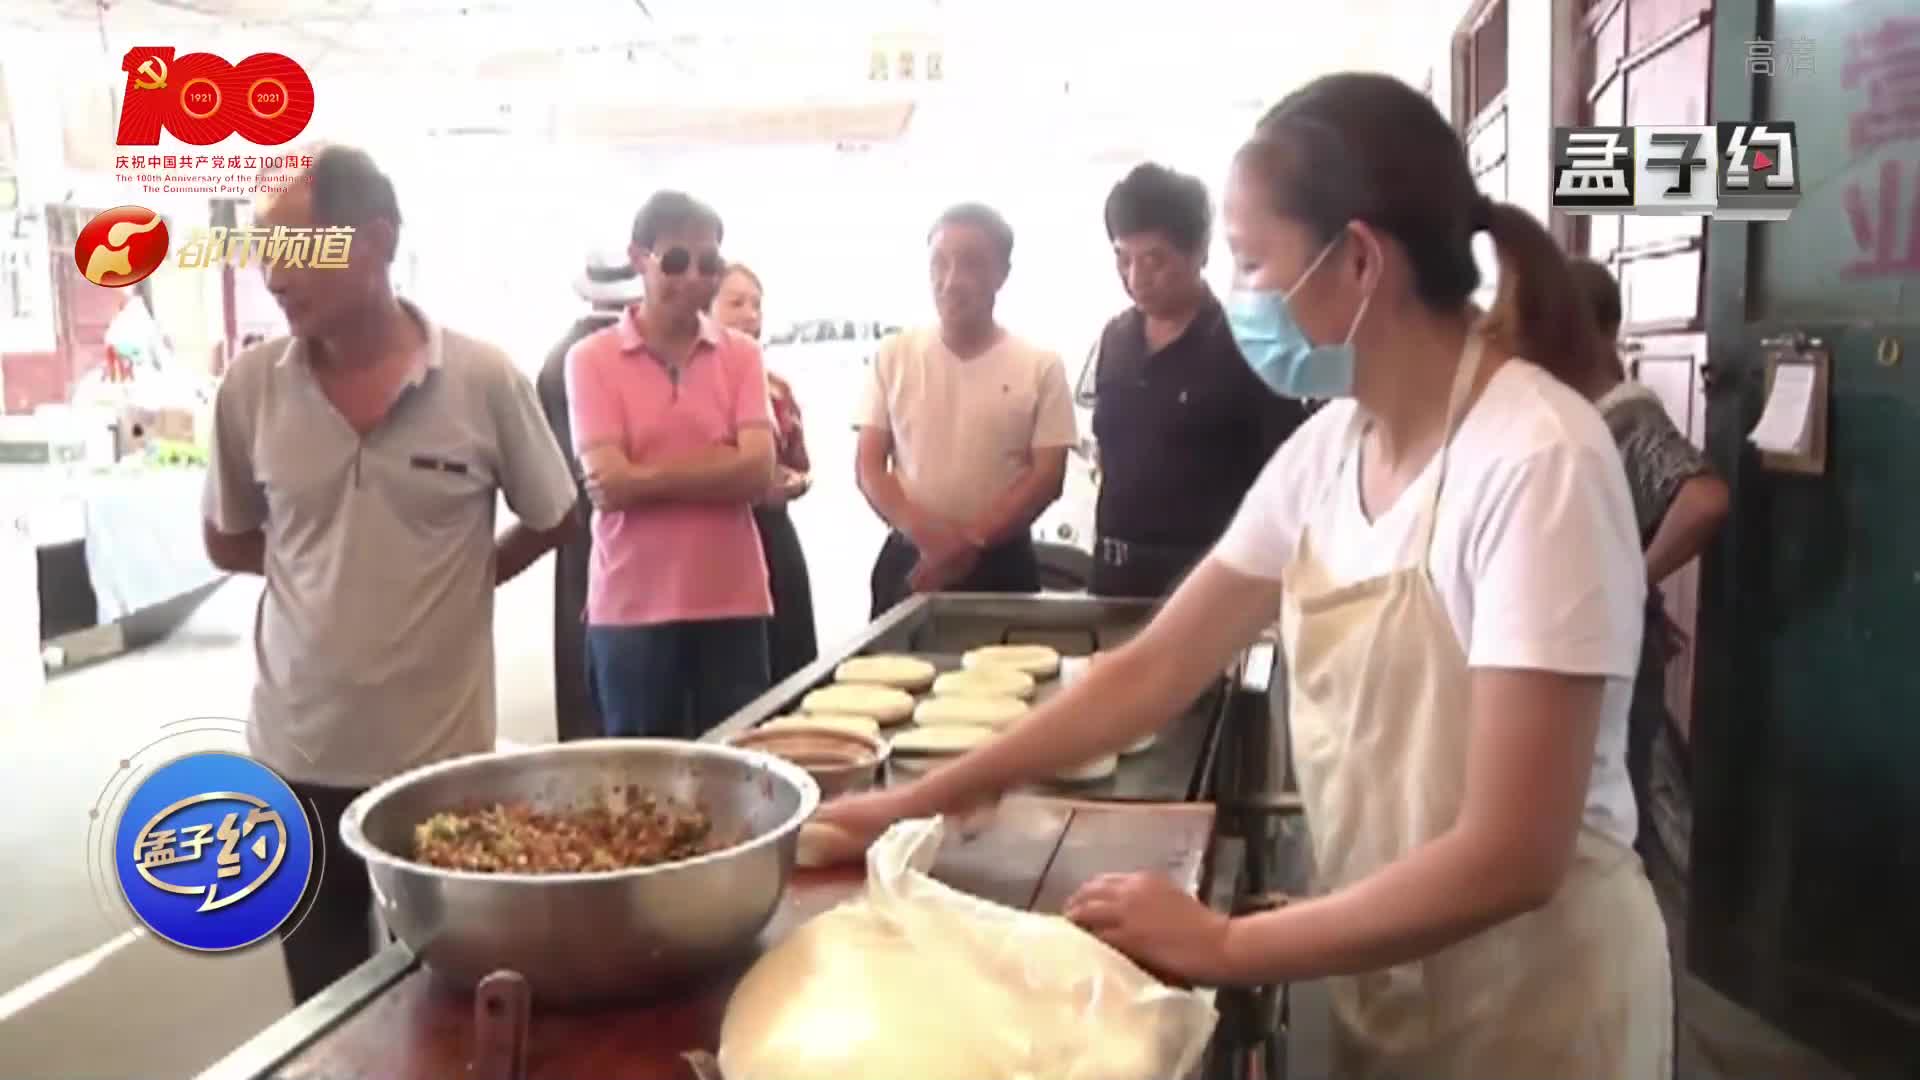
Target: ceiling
{"x":1093,"y":72}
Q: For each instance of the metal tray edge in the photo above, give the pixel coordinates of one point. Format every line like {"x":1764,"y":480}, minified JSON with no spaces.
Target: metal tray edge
{"x":265,"y":1052}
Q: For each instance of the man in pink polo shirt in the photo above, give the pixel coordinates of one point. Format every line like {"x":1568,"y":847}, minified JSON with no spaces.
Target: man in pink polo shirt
{"x":675,"y":437}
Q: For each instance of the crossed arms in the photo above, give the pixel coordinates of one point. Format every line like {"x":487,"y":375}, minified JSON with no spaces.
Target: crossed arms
{"x":737,"y":473}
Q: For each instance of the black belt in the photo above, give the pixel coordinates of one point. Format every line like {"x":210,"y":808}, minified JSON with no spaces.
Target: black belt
{"x":1109,"y":551}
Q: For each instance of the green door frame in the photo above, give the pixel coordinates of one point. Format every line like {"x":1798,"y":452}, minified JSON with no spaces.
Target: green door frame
{"x":1756,"y":809}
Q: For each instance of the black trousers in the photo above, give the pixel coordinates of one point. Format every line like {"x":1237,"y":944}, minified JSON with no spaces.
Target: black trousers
{"x":791,"y":641}
{"x":330,"y":932}
{"x":1125,"y":570}
{"x":575,"y":716}
{"x":1646,"y":716}
{"x":1011,"y":567}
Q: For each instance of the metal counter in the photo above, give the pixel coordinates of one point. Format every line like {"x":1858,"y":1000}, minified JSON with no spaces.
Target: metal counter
{"x":1180,"y":767}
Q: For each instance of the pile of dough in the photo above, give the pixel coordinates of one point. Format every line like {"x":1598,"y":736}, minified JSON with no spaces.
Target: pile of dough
{"x":858,"y":725}
{"x":903,"y":672}
{"x":822,"y":844}
{"x":990,"y":712}
{"x":1039,"y":661}
{"x":990,"y":682}
{"x":1098,"y":769}
{"x":912,"y":980}
{"x":883,"y":703}
{"x":945,"y":739}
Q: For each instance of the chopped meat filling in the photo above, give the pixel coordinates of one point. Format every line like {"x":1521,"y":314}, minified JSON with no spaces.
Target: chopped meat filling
{"x":641,"y":830}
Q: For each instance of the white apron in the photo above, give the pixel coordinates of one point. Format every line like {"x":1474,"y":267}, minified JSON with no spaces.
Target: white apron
{"x":1378,"y":699}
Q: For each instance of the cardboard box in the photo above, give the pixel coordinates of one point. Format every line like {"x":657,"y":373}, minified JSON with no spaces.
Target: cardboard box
{"x":174,"y":424}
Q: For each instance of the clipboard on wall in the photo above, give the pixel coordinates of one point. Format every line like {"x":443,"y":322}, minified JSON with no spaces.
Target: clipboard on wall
{"x":1791,"y":434}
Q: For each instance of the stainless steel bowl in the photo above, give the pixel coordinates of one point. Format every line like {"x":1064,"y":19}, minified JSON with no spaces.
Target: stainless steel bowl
{"x":578,"y":937}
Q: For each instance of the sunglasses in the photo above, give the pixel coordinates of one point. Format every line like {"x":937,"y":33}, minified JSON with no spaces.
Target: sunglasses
{"x":675,"y":261}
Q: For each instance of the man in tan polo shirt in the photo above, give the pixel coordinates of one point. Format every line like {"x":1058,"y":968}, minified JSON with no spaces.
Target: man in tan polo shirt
{"x":964,"y":429}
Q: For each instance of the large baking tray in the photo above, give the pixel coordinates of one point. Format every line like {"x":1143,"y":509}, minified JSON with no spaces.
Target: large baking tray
{"x":1165,"y":772}
{"x":942,"y":626}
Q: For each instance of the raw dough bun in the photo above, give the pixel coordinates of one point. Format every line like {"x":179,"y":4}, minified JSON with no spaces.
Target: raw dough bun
{"x":1146,"y":743}
{"x":858,"y":725}
{"x":1098,"y":769}
{"x":944,"y":739}
{"x":882,"y":703}
{"x":821,"y":844}
{"x":903,"y":672}
{"x":989,"y":682}
{"x":990,"y":712}
{"x":1039,"y":661}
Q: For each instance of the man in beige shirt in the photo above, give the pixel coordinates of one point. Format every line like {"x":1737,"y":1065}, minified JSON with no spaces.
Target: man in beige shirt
{"x":964,"y":429}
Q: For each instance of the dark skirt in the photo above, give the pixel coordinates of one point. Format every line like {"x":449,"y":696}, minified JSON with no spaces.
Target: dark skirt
{"x":791,"y":642}
{"x":576,"y":716}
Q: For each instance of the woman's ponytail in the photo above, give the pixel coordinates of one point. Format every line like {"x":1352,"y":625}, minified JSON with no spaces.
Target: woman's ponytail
{"x":1538,"y":312}
{"x":1367,"y":147}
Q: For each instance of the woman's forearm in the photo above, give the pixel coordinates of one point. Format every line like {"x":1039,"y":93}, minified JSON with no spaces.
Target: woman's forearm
{"x":1507,"y":851}
{"x":1439,"y":894}
{"x":1698,"y":509}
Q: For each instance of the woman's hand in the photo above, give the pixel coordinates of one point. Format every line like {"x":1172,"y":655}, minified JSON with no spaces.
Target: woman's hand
{"x":1158,"y":924}
{"x":788,"y":485}
{"x":795,"y":483}
{"x":1673,"y":640}
{"x":843,"y":829}
{"x":855,"y":821}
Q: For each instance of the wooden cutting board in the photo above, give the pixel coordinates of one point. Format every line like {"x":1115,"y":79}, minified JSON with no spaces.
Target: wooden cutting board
{"x":1032,"y":857}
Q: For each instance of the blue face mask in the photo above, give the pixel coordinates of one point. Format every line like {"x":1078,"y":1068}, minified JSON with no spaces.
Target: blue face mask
{"x":1279,"y":351}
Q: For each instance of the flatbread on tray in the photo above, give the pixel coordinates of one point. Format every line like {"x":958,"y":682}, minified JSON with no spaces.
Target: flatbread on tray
{"x":945,"y":739}
{"x":884,"y":704}
{"x":1039,"y":661}
{"x":900,"y":672}
{"x":990,"y":682}
{"x":858,"y":725}
{"x":979,"y":711}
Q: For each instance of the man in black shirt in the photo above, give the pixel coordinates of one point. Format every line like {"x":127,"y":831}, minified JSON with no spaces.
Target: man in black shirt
{"x":1181,"y":424}
{"x":610,"y":284}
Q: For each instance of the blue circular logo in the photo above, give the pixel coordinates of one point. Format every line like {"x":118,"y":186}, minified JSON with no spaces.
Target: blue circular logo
{"x":213,"y":851}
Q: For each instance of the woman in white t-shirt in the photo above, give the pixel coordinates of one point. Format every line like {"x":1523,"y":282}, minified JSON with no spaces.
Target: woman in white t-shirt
{"x":1451,"y":548}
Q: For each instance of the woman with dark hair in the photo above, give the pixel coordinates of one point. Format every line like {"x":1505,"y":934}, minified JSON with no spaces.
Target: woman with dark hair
{"x":1449,"y":545}
{"x":791,"y":642}
{"x":1678,"y":503}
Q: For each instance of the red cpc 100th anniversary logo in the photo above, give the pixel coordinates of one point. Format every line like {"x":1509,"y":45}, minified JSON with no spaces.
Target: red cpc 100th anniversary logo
{"x":201,"y":99}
